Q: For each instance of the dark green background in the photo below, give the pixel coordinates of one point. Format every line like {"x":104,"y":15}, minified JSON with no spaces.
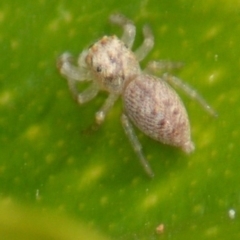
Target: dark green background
{"x":59,"y":176}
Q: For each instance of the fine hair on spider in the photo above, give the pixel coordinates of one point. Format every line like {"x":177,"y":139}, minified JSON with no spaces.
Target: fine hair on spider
{"x":149,"y":102}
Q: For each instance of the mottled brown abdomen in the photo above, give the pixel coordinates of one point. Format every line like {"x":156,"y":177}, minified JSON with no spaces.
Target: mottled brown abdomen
{"x":155,"y":108}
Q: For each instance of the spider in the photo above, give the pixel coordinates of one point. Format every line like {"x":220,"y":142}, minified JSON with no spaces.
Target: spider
{"x":149,"y":102}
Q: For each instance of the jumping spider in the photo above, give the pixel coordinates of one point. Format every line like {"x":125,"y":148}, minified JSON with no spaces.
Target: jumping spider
{"x":148,"y":101}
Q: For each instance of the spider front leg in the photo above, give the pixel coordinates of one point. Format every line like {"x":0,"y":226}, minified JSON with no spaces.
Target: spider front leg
{"x":88,"y":94}
{"x":101,"y":114}
{"x":75,"y":74}
{"x":68,"y":70}
{"x":128,"y":128}
{"x":129,"y":30}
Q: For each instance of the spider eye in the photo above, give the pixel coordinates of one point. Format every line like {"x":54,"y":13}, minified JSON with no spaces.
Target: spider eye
{"x":98,"y":69}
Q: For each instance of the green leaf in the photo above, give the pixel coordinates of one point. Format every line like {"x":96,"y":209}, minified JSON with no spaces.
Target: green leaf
{"x":52,"y":160}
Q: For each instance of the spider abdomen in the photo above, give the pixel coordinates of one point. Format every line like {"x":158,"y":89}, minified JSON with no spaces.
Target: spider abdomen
{"x":155,"y":108}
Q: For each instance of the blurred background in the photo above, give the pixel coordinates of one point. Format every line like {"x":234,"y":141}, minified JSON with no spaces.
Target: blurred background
{"x":62,"y":179}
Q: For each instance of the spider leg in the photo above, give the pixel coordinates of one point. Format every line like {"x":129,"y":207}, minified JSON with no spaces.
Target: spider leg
{"x":147,"y":45}
{"x":163,"y":65}
{"x":68,"y":70}
{"x":128,"y":128}
{"x":73,"y":75}
{"x":129,"y":30}
{"x":191,"y":92}
{"x":101,"y":114}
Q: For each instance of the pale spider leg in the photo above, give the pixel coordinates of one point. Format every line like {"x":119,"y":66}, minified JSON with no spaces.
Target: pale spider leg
{"x":88,"y":94}
{"x":191,"y":92}
{"x":85,"y":96}
{"x":74,"y":74}
{"x":109,"y":102}
{"x":163,"y":65}
{"x":128,"y":128}
{"x":129,"y":30}
{"x":70,"y":71}
{"x":147,"y":45}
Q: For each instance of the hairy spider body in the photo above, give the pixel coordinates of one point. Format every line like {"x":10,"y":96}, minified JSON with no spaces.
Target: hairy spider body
{"x":112,"y":64}
{"x":149,"y":102}
{"x":156,"y":109}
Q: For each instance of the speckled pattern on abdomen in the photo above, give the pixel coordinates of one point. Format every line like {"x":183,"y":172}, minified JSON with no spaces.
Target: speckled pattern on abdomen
{"x":155,"y":108}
